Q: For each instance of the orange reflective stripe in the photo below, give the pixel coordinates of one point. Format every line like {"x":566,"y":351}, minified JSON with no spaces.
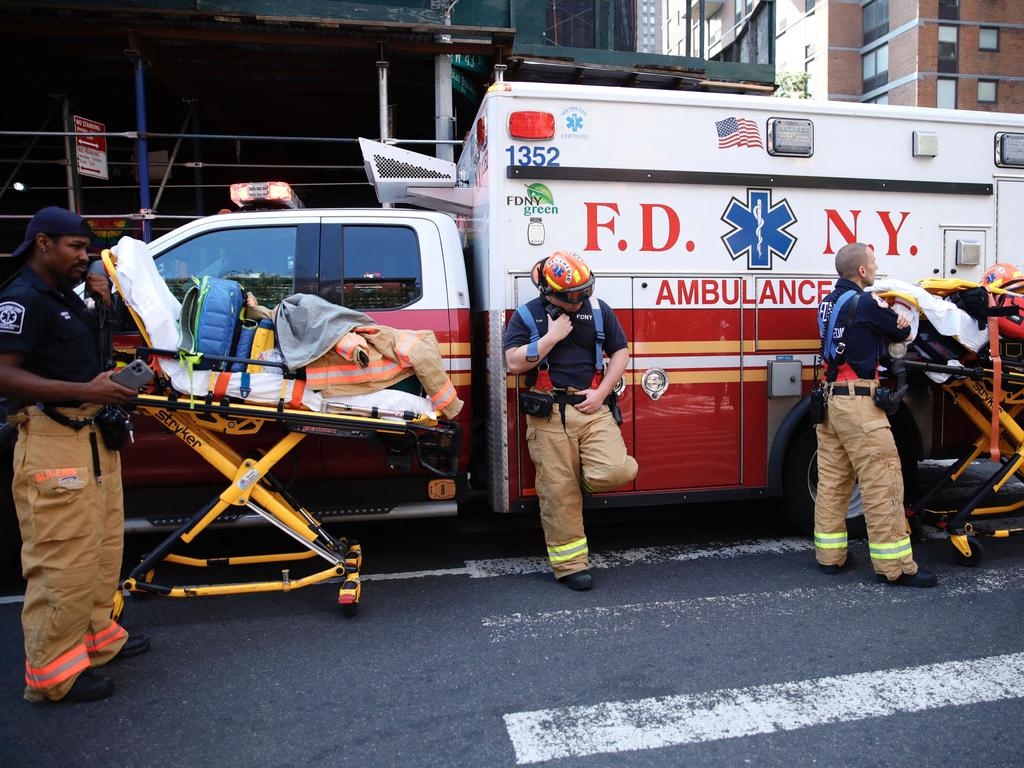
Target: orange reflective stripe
{"x":403,"y":348}
{"x":297,"y":389}
{"x":60,"y":669}
{"x":113,"y":633}
{"x":220,"y":388}
{"x":379,"y":370}
{"x":445,"y":397}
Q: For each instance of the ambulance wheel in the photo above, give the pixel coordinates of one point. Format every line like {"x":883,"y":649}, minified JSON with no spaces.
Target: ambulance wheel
{"x":800,"y":486}
{"x":976,"y":556}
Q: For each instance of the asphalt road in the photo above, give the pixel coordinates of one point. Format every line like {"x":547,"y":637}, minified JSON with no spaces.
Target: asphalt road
{"x":710,"y":639}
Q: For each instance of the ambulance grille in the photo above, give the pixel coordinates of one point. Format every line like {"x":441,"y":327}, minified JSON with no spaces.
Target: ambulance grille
{"x":388,"y":168}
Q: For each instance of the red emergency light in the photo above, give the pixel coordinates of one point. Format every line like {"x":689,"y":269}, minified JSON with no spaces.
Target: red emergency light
{"x":531,"y":125}
{"x":250,"y":192}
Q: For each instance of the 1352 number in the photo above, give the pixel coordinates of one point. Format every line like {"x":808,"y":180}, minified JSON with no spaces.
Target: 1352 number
{"x":524,"y":155}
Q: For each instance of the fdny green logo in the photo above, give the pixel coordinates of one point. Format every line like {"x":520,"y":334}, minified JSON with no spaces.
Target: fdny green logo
{"x":537,"y":200}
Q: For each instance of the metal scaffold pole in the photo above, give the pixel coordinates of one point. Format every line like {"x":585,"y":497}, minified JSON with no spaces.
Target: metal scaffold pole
{"x":141,"y":143}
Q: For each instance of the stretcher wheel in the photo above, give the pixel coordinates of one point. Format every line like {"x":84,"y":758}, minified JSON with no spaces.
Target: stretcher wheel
{"x":976,"y":556}
{"x":350,"y":609}
{"x":349,"y":594}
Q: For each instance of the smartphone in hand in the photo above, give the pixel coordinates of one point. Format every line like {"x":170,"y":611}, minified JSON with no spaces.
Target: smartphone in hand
{"x":135,"y":375}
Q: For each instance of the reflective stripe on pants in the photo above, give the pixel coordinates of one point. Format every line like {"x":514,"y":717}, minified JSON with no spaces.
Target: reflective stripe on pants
{"x":566,"y":552}
{"x":830,"y":540}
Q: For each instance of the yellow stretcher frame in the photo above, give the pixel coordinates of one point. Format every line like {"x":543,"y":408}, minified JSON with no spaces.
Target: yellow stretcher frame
{"x":197,"y":421}
{"x":972,"y":392}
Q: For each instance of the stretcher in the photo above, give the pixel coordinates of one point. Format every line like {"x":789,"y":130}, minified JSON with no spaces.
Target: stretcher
{"x":988,"y":388}
{"x":206,"y":422}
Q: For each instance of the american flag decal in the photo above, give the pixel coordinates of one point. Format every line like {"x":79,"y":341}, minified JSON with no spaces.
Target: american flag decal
{"x":738,"y":132}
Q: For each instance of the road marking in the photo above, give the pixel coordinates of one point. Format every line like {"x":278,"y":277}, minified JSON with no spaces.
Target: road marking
{"x":12,"y":599}
{"x":514,"y":566}
{"x":624,"y":726}
{"x":633,"y":617}
{"x":413,"y":574}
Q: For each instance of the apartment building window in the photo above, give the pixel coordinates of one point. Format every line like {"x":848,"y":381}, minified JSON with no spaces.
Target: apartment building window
{"x":986,"y":91}
{"x":949,"y":9}
{"x":945,"y":93}
{"x":948,"y":49}
{"x":739,"y":10}
{"x":988,"y":39}
{"x":883,"y":99}
{"x":876,"y":68}
{"x":808,"y":6}
{"x":876,"y":20}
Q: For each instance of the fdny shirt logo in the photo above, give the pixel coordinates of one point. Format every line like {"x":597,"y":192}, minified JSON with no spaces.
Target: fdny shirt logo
{"x":12,"y":316}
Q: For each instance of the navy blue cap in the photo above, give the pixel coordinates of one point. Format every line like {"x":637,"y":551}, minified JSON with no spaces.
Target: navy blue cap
{"x":52,"y":221}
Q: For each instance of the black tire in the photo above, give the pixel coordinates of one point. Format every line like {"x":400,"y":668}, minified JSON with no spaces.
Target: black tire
{"x":800,"y":481}
{"x":349,"y":610}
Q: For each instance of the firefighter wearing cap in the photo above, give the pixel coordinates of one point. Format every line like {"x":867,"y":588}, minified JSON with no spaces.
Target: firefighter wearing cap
{"x":67,"y":483}
{"x":559,"y":340}
{"x":855,"y":443}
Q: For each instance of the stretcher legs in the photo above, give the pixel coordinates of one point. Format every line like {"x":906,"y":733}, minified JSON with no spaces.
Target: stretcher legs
{"x":252,"y":486}
{"x":972,"y":398}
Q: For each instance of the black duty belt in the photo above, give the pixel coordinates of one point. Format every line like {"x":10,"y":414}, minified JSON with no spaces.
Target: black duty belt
{"x":565,"y":398}
{"x":840,"y":389}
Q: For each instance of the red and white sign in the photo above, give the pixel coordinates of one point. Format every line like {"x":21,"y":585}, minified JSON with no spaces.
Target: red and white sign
{"x":91,"y":149}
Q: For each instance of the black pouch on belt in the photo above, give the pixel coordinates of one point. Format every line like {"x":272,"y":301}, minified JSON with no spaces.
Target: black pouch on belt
{"x":819,"y":404}
{"x":535,"y":403}
{"x":115,"y":425}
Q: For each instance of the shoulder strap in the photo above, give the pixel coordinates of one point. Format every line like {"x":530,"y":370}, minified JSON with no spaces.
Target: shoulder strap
{"x":595,"y":306}
{"x":532,"y":353}
{"x":828,"y":343}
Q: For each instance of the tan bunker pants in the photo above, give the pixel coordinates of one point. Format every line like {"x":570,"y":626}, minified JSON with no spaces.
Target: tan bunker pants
{"x":855,"y":443}
{"x":72,"y":526}
{"x":587,"y":455}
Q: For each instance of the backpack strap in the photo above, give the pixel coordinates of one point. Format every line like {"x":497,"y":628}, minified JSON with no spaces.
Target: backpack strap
{"x":831,"y":354}
{"x":595,"y":306}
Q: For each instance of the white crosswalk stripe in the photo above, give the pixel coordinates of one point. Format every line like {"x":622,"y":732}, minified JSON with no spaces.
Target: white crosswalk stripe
{"x":630,"y":617}
{"x":621,"y":726}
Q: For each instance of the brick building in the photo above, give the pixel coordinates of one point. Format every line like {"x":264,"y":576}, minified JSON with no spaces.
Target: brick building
{"x":953,"y":54}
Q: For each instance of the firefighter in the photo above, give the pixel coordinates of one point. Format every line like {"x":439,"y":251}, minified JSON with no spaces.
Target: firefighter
{"x":67,"y":483}
{"x":855,"y":443}
{"x":559,"y":340}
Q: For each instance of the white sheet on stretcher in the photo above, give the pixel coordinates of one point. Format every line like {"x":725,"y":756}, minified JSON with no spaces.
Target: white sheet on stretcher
{"x":147,"y":293}
{"x":948,"y":319}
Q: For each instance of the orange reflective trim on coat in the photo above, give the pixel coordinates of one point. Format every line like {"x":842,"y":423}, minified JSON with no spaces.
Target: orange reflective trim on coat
{"x":380,"y":369}
{"x":445,"y":397}
{"x":60,"y":669}
{"x":113,"y":633}
{"x":405,"y":346}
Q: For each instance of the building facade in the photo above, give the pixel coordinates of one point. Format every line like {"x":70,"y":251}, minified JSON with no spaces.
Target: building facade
{"x":951,"y":54}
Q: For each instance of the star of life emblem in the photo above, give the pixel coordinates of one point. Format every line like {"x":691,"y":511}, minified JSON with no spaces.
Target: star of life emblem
{"x":759,"y":229}
{"x":12,"y":315}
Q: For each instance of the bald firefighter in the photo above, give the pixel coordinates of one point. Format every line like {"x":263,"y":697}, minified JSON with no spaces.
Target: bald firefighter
{"x":559,"y":340}
{"x":855,"y":443}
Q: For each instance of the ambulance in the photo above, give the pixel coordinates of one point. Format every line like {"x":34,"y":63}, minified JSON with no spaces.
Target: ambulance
{"x":712,"y":223}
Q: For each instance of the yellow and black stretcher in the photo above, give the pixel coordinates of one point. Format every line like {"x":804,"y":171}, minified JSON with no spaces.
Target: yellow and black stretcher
{"x":206,"y":424}
{"x":989,"y":391}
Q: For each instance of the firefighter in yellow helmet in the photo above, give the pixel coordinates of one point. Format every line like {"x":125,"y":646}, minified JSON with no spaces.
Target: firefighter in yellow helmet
{"x":559,"y":340}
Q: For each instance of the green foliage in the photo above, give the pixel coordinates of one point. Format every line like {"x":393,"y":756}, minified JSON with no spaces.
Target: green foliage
{"x":793,"y":85}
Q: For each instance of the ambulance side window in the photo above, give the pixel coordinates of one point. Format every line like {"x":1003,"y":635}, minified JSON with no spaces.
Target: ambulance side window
{"x":381,"y":268}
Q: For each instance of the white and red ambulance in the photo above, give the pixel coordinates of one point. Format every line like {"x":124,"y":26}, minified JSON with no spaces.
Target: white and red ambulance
{"x":712,"y":222}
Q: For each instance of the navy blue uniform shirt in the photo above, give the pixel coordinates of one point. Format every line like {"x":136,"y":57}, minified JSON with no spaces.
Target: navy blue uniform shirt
{"x":572,"y":359}
{"x":866,"y":332}
{"x":52,"y":327}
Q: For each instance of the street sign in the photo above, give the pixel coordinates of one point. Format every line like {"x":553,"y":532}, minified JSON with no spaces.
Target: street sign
{"x":91,"y":150}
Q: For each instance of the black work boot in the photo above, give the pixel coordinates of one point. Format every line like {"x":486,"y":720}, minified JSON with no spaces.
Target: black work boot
{"x":832,"y":570}
{"x":136,"y":646}
{"x":89,"y":687}
{"x":920,"y":579}
{"x":578,"y":581}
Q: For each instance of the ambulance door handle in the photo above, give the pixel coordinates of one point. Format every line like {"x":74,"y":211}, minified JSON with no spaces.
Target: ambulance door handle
{"x":654,"y":382}
{"x":935,"y":271}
